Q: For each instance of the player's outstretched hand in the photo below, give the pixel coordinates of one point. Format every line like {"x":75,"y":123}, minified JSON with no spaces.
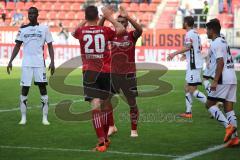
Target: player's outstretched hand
{"x":9,"y":67}
{"x":52,"y":68}
{"x":170,"y":56}
{"x":107,"y":12}
{"x":123,"y":11}
{"x":183,"y":58}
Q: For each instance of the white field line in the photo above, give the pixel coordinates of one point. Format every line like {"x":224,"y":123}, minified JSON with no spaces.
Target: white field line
{"x":38,"y":106}
{"x":90,"y":151}
{"x":200,"y":153}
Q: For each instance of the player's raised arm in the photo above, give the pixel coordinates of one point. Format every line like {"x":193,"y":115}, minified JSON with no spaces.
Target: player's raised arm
{"x":107,"y":13}
{"x":101,"y":21}
{"x":183,"y":50}
{"x":14,"y":53}
{"x":138,"y":28}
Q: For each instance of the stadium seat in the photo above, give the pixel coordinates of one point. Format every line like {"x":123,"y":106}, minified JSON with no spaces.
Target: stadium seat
{"x":39,"y":5}
{"x":152,"y":7}
{"x":143,"y":7}
{"x":51,"y":15}
{"x":66,"y":6}
{"x":20,"y":5}
{"x":10,"y":6}
{"x":156,"y":1}
{"x":126,"y":1}
{"x":133,"y":7}
{"x":61,"y":15}
{"x":76,"y":7}
{"x":42,"y":15}
{"x":70,"y":15}
{"x":79,"y":15}
{"x":57,"y":6}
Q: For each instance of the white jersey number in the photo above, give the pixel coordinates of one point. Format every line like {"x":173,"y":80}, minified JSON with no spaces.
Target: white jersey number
{"x":99,"y":41}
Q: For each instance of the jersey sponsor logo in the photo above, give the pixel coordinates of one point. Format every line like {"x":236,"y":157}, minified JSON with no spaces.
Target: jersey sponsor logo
{"x":94,"y":56}
{"x":32,"y":35}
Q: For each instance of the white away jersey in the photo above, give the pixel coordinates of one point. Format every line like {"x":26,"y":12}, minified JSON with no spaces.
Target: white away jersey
{"x":194,"y":56}
{"x":34,"y":38}
{"x":219,"y":48}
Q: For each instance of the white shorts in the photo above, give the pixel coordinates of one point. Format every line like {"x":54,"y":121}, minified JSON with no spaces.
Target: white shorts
{"x":224,"y":92}
{"x":193,"y":77}
{"x":39,"y":74}
{"x":208,"y":73}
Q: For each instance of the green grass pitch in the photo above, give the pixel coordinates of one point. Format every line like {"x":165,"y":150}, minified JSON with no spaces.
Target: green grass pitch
{"x":161,"y":134}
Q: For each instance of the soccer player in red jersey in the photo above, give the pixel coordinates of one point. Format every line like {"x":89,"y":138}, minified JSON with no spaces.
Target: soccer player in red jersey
{"x":123,"y":68}
{"x":95,"y":55}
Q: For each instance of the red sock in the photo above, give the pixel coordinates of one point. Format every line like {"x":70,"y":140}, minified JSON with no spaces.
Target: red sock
{"x":98,"y":124}
{"x":110,"y":115}
{"x":134,"y":117}
{"x":105,"y":122}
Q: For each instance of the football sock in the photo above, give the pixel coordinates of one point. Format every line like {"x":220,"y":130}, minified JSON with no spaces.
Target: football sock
{"x":200,"y":96}
{"x":134,"y":114}
{"x":188,"y":99}
{"x":44,"y":100}
{"x":98,"y":124}
{"x":206,"y":85}
{"x":110,"y":115}
{"x":232,"y":120}
{"x":105,"y":124}
{"x":23,"y":106}
{"x":218,"y":115}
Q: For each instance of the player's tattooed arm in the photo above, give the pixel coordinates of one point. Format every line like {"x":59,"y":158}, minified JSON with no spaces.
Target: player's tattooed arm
{"x":107,"y":13}
{"x":51,"y":53}
{"x":138,"y":28}
{"x":218,"y":73}
{"x":14,"y":54}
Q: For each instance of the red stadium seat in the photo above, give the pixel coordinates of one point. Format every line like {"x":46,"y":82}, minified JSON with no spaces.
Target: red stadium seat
{"x":42,"y":15}
{"x":48,"y":6}
{"x":10,"y":6}
{"x":133,"y":7}
{"x":152,"y":7}
{"x":61,"y":15}
{"x":126,"y":1}
{"x":143,"y":7}
{"x":70,"y":15}
{"x":66,"y":6}
{"x":156,"y":1}
{"x":51,"y":15}
{"x":20,"y":5}
{"x":28,"y":5}
{"x":76,"y":7}
{"x":80,"y":15}
{"x":39,"y":5}
{"x":57,"y":6}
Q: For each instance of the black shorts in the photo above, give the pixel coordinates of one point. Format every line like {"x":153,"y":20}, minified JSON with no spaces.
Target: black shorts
{"x":96,"y":85}
{"x":126,"y":82}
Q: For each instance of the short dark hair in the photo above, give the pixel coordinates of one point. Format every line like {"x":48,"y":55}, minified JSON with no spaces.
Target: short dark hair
{"x":34,"y":8}
{"x":189,"y":20}
{"x":91,"y":13}
{"x":215,"y":25}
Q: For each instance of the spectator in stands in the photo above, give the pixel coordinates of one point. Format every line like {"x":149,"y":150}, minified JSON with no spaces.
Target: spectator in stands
{"x":63,"y":34}
{"x":18,"y":18}
{"x":186,"y":11}
{"x":2,"y":10}
{"x":229,"y":2}
{"x":3,"y":20}
{"x":203,"y":17}
{"x":220,"y":6}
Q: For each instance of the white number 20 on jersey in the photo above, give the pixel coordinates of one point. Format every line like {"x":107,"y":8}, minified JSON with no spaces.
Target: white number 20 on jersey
{"x":99,"y":41}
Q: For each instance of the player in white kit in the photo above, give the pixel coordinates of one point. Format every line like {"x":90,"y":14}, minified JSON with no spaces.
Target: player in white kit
{"x":33,"y":37}
{"x":224,"y":83}
{"x":192,"y":49}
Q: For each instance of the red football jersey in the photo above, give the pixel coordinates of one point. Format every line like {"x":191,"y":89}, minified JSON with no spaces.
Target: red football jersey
{"x":94,"y":46}
{"x":123,"y":54}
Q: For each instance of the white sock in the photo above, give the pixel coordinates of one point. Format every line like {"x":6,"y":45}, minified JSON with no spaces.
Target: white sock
{"x":44,"y":100}
{"x":23,"y":106}
{"x":200,"y":96}
{"x":218,"y":115}
{"x":188,"y":99}
{"x":206,"y":84}
{"x":233,"y":121}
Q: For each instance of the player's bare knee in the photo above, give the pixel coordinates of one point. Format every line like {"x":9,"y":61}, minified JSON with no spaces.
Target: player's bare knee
{"x":191,"y":89}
